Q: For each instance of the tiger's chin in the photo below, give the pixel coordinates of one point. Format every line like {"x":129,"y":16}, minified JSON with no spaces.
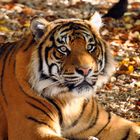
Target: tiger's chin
{"x":62,"y":92}
{"x":82,"y":90}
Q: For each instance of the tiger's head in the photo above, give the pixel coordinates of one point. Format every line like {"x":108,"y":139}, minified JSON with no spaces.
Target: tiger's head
{"x":70,"y":57}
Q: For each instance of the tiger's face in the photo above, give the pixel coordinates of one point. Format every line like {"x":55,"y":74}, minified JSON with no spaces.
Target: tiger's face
{"x":72,"y":59}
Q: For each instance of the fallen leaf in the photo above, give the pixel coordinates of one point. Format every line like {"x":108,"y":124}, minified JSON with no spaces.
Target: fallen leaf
{"x":130,"y":69}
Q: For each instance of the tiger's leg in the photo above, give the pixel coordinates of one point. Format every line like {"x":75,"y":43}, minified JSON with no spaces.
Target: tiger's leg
{"x":33,"y":121}
{"x":122,"y":129}
{"x":109,"y":126}
{"x":102,"y":125}
{"x":113,"y":127}
{"x":3,"y":125}
{"x":20,"y":129}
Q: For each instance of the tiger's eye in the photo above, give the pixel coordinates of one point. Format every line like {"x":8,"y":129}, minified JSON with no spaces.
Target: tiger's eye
{"x":91,"y":47}
{"x":63,"y":48}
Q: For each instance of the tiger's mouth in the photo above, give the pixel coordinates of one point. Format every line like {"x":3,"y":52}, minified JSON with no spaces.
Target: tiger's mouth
{"x":83,"y":86}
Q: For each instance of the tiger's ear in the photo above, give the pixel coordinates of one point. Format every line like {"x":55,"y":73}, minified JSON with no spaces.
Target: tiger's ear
{"x":38,"y":26}
{"x":96,"y":21}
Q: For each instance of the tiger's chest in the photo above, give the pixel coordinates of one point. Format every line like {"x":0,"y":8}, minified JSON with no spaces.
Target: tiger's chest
{"x":76,"y":117}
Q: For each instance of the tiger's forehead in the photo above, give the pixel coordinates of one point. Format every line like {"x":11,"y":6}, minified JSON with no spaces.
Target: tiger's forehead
{"x":74,"y":25}
{"x":72,"y":34}
{"x":73,"y":29}
{"x":71,"y":24}
{"x":66,"y":31}
{"x":63,"y":21}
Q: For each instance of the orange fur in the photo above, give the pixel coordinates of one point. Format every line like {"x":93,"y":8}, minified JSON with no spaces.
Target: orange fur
{"x":26,"y":115}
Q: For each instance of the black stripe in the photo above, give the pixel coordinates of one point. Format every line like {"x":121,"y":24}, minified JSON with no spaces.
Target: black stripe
{"x":65,"y":30}
{"x":126,"y":135}
{"x":38,"y":101}
{"x":57,"y":108}
{"x":5,"y":138}
{"x":92,"y":40}
{"x":40,"y":69}
{"x":40,"y":57}
{"x":38,"y":108}
{"x":39,"y":48}
{"x":52,"y":32}
{"x":73,"y":26}
{"x":10,"y":47}
{"x":86,"y":34}
{"x":36,"y":120}
{"x":84,"y":31}
{"x":70,"y":77}
{"x":71,"y":73}
{"x":29,"y":45}
{"x":39,"y":122}
{"x":109,"y":118}
{"x":60,"y":41}
{"x":43,"y":76}
{"x":12,"y":52}
{"x":80,"y":115}
{"x":3,"y":48}
{"x":54,"y":53}
{"x":106,"y":58}
{"x":102,"y":50}
{"x":92,"y":108}
{"x":94,"y":121}
{"x":46,"y":49}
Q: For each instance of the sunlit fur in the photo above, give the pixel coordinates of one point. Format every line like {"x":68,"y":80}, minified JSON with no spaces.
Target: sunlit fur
{"x":41,"y":95}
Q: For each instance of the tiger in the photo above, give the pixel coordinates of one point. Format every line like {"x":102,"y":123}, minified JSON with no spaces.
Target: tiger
{"x":48,"y":82}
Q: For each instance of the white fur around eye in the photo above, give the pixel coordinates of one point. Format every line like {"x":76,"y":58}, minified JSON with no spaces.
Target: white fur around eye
{"x":92,"y":138}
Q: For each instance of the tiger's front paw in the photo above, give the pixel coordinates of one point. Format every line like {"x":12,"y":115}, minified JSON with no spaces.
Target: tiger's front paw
{"x":92,"y":138}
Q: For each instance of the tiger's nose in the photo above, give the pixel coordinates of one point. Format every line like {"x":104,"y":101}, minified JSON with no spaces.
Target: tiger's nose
{"x":83,"y":71}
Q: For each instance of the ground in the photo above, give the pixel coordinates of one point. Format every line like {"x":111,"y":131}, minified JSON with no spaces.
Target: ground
{"x":121,"y":94}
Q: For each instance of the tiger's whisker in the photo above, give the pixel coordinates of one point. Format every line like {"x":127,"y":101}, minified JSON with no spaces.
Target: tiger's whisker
{"x":52,"y":84}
